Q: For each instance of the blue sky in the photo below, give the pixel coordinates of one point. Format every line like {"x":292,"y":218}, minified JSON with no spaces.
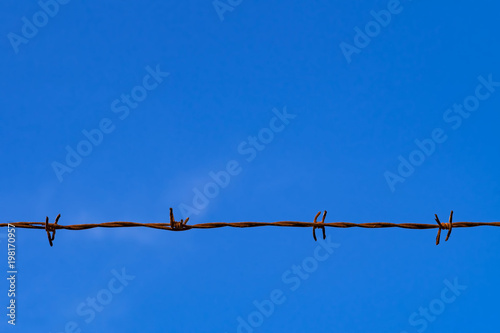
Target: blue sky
{"x":251,"y":111}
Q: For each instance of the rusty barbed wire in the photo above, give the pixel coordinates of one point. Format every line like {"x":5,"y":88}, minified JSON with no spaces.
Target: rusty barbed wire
{"x":173,"y":225}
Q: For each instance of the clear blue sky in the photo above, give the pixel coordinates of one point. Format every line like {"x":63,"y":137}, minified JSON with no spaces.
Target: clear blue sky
{"x":251,"y":111}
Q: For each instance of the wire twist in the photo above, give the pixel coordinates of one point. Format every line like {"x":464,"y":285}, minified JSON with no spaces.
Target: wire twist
{"x":182,"y":225}
{"x":178,"y":226}
{"x":322,"y":227}
{"x":51,"y":228}
{"x":448,"y":226}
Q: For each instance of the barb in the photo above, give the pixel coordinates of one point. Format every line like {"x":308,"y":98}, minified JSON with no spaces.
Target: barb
{"x":322,"y":227}
{"x":51,"y":228}
{"x":448,"y":226}
{"x":179,"y":226}
{"x":182,"y":225}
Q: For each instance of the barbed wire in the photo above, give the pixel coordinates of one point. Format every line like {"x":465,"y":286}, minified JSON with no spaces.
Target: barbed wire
{"x":182,"y":225}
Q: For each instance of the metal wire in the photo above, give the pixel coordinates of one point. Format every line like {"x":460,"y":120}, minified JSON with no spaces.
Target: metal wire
{"x":183,"y":226}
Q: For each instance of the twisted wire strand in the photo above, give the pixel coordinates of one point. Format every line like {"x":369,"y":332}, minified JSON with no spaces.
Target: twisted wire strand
{"x":212,"y":225}
{"x":174,"y":225}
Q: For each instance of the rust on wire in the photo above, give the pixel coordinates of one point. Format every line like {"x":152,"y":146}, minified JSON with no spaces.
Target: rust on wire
{"x":447,"y":226}
{"x":177,"y":225}
{"x":322,"y":227}
{"x":182,"y":225}
{"x":49,"y":229}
